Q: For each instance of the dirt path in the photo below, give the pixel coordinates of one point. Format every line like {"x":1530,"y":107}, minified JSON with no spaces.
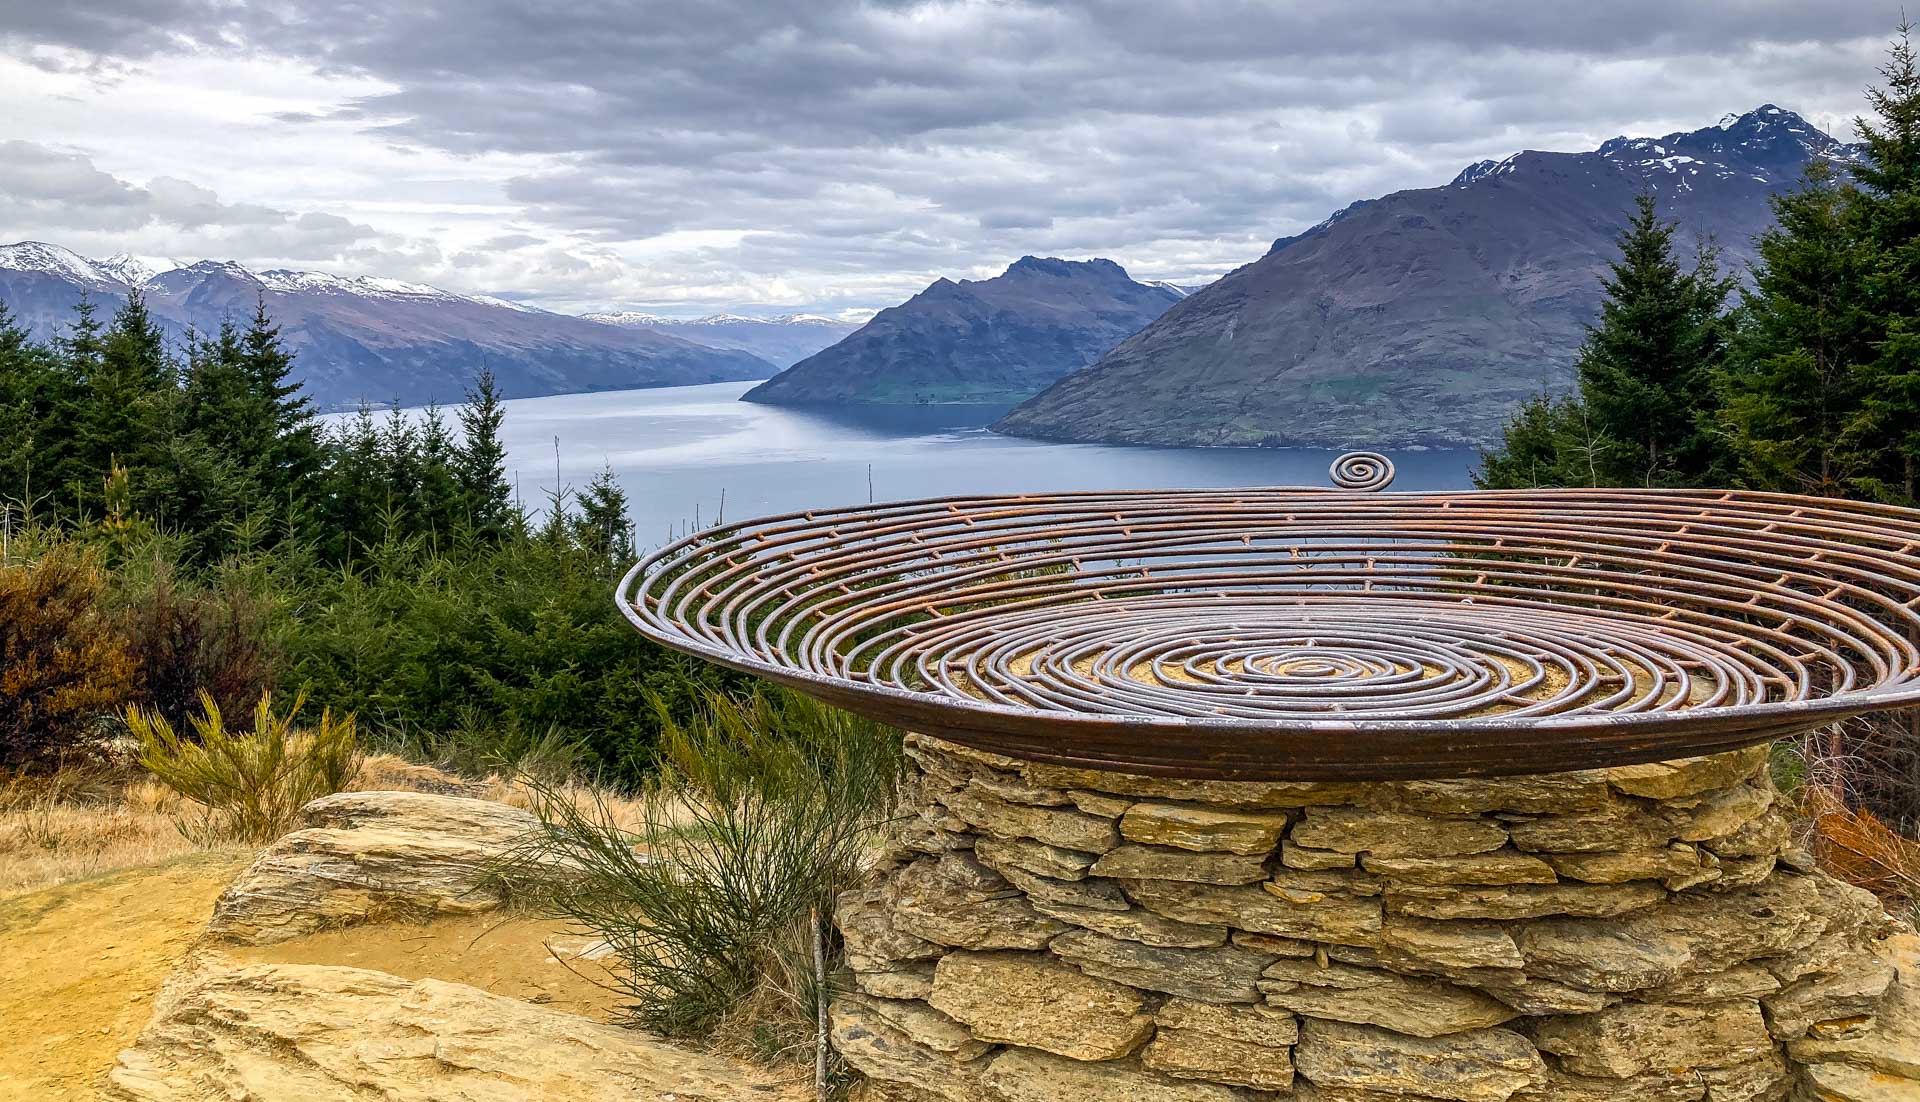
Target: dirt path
{"x":81,"y":963}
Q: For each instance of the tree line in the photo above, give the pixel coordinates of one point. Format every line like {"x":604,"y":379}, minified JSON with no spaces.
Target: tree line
{"x":177,"y":517}
{"x":1806,"y":378}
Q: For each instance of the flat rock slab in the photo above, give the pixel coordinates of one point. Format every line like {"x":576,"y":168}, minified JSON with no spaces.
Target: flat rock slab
{"x":319,"y":1033}
{"x":371,"y":857}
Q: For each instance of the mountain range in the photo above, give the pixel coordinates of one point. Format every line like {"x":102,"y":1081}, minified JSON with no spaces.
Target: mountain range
{"x":782,"y":340}
{"x":370,"y":339}
{"x":1423,"y":317}
{"x":988,"y":341}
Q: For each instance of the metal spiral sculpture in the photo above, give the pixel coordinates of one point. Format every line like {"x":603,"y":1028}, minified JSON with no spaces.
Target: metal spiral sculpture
{"x":1299,"y":633}
{"x":1362,"y":471}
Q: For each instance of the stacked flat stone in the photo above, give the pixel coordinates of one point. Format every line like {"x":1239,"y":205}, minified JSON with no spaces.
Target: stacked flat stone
{"x":1039,"y":933}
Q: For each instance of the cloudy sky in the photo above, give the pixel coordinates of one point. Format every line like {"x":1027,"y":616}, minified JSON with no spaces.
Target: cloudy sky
{"x":708,"y":154}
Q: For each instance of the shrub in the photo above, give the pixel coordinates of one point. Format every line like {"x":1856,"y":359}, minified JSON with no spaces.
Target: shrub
{"x":715,"y":907}
{"x":252,"y":784}
{"x":62,"y":666}
{"x":187,"y":640}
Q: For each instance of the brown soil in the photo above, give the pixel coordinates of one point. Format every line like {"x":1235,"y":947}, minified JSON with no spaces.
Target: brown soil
{"x":82,"y":962}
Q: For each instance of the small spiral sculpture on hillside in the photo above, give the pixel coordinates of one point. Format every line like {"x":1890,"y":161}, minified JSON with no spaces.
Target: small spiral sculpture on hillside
{"x":1299,"y":633}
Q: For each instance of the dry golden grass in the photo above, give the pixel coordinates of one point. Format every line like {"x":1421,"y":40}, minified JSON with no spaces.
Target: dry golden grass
{"x":75,"y":825}
{"x":80,"y":823}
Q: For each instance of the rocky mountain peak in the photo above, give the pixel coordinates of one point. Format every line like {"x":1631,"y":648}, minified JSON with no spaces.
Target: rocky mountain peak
{"x":1055,"y":266}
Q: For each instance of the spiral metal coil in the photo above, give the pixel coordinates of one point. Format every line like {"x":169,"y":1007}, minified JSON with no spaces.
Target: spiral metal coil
{"x":1298,"y":633}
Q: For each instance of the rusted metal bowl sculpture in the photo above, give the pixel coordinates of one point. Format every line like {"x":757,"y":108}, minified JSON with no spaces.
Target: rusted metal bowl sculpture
{"x":1310,"y":634}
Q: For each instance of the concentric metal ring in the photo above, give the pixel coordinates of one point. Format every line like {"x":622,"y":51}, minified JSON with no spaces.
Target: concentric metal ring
{"x":1312,"y":634}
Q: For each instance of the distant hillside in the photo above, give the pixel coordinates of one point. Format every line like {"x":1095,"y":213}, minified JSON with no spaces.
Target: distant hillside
{"x":1423,"y":317}
{"x":978,"y":341}
{"x":378,"y":340}
{"x":782,"y":341}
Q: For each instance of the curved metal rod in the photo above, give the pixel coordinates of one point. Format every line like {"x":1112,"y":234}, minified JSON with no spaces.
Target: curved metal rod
{"x":1298,"y":633}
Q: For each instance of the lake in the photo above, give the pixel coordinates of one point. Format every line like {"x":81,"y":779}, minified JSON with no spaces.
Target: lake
{"x":680,"y":452}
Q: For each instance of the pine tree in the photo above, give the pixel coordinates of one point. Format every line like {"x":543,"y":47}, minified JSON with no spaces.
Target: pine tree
{"x":281,"y":419}
{"x":27,"y":395}
{"x":604,"y":529}
{"x":1791,"y":389}
{"x":77,"y":352}
{"x":480,"y":467}
{"x":125,"y":408}
{"x":1644,"y":414}
{"x":354,"y":500}
{"x":439,"y":492}
{"x":1646,"y":370}
{"x":1888,"y":206}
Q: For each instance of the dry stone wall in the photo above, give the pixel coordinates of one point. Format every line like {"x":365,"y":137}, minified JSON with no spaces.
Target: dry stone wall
{"x":1039,"y":933}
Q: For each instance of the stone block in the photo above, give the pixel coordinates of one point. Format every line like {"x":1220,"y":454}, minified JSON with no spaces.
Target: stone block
{"x":875,"y":1047}
{"x":1636,"y":1038}
{"x":1585,"y":790}
{"x":1500,"y":867}
{"x":1022,"y":1075}
{"x":936,"y":908}
{"x":1724,"y":813}
{"x":1138,"y":924}
{"x":1844,"y":999}
{"x":1395,"y":834}
{"x":1226,"y":974}
{"x":1846,"y":1083}
{"x":1089,"y":894}
{"x":872,"y":942}
{"x":1037,"y":858}
{"x":1296,"y":856}
{"x":929,"y":1027}
{"x":1619,"y":867}
{"x":1690,"y":935}
{"x":1621,"y":826}
{"x":1060,"y":827}
{"x":1303,"y":886}
{"x":1335,"y":919}
{"x":1204,"y":829}
{"x":1369,"y":996}
{"x":1524,"y":900}
{"x":1679,"y":779}
{"x":1036,"y":1001}
{"x":1892,"y":1047}
{"x":1248,"y":1046}
{"x":1489,"y":1065}
{"x":1142,"y":862}
{"x":1451,"y":945}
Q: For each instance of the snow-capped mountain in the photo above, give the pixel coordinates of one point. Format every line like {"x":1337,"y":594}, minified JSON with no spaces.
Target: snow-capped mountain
{"x":1759,"y":145}
{"x":137,"y":270}
{"x":1422,"y":317}
{"x":366,"y":338}
{"x":784,"y":339}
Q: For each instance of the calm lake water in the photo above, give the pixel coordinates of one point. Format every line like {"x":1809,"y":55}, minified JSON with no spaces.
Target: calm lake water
{"x":679,"y":451}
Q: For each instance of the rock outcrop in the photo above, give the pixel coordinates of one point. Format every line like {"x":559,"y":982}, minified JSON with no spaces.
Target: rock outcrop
{"x":1647,"y":933}
{"x":225,"y":1030}
{"x":371,"y":857}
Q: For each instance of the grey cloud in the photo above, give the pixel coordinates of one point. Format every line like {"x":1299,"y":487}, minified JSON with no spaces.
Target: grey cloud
{"x":51,"y":193}
{"x":871,"y":145}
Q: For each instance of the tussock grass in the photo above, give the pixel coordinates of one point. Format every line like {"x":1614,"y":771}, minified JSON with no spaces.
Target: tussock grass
{"x":716,"y":901}
{"x":253,"y":783}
